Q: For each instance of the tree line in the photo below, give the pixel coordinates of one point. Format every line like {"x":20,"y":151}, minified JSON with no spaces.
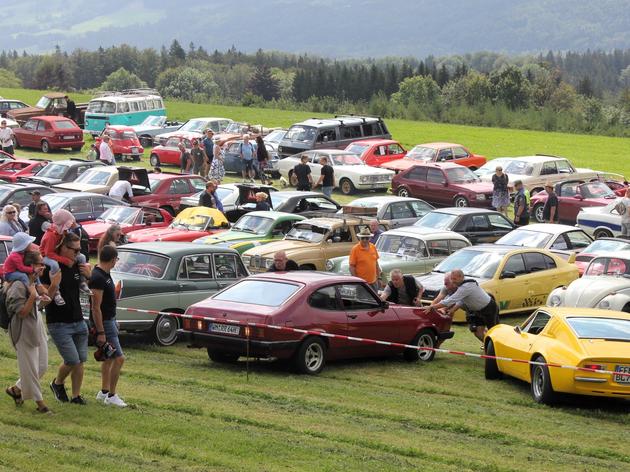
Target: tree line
{"x":573,"y":91}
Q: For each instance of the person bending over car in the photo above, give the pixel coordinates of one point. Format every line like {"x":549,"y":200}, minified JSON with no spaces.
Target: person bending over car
{"x":402,"y":289}
{"x":282,"y":263}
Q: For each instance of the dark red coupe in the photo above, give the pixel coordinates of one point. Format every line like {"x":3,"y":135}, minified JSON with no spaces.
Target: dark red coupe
{"x":315,"y":301}
{"x":167,"y":190}
{"x":11,"y":170}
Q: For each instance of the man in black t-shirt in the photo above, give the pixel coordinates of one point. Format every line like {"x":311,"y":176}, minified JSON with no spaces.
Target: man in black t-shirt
{"x":282,"y":263}
{"x":327,"y":177}
{"x":550,"y":210}
{"x":104,"y":318}
{"x":302,"y":173}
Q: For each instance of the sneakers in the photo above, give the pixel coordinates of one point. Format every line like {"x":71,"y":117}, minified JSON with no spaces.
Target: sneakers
{"x":100,"y":396}
{"x":83,"y":287}
{"x":58,"y":299}
{"x":115,"y":400}
{"x":78,"y":400}
{"x":60,"y":392}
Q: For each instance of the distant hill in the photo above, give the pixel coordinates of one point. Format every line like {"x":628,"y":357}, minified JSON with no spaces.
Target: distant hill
{"x":351,"y":28}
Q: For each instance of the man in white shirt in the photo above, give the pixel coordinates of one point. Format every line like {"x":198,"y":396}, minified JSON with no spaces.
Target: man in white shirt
{"x":623,"y":208}
{"x":105,"y":151}
{"x":6,"y":137}
{"x":120,"y":189}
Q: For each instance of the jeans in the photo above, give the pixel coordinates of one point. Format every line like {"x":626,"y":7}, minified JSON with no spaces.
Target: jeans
{"x":71,"y":340}
{"x":17,"y":275}
{"x":54,"y":265}
{"x":327,"y":191}
{"x":111,"y":336}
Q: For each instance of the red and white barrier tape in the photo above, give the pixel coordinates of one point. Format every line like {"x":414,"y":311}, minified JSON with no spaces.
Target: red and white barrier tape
{"x":373,"y":341}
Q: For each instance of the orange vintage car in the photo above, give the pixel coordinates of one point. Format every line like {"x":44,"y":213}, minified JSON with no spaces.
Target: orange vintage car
{"x":437,"y":152}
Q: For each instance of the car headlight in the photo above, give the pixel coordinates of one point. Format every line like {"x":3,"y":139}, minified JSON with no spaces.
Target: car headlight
{"x":604,"y":305}
{"x":480,"y":196}
{"x":247,"y":260}
{"x":363,"y":179}
{"x":555,"y":300}
{"x":329,"y":265}
{"x":268,"y":263}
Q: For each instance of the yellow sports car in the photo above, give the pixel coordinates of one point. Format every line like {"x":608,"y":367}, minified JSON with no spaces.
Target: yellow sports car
{"x":578,"y":337}
{"x":520,"y":279}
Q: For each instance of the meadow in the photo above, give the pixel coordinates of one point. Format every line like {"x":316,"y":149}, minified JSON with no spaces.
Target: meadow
{"x":190,"y":414}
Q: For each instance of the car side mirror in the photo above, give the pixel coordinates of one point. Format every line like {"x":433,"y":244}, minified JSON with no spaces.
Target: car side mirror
{"x":508,"y":275}
{"x":384,"y":305}
{"x":517,"y":329}
{"x":336,"y":239}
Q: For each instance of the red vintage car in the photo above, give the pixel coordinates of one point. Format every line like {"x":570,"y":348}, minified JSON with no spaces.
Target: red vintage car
{"x":130,"y":218}
{"x":169,"y":153}
{"x":600,"y":247}
{"x":438,"y":152}
{"x":48,"y":133}
{"x":168,"y":189}
{"x":125,"y":144}
{"x":376,"y":152}
{"x":443,"y":184}
{"x":11,"y":170}
{"x":573,"y":195}
{"x":314,"y":301}
{"x":190,"y":224}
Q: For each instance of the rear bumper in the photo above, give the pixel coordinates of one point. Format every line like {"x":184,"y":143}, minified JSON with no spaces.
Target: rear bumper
{"x":238,"y":345}
{"x":65,"y":144}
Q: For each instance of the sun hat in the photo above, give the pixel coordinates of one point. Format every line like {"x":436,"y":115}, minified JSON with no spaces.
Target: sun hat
{"x":63,"y":220}
{"x":364,"y":233}
{"x":21,"y":241}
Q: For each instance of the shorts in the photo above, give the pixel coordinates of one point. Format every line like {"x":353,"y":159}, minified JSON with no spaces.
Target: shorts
{"x":487,"y":316}
{"x":248,"y":164}
{"x":111,"y":335}
{"x":71,"y":340}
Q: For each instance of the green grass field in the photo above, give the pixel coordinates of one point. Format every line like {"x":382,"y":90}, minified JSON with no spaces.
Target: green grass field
{"x":189,"y":414}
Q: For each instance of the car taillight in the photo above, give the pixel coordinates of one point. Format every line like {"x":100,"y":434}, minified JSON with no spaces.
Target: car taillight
{"x":118,"y":289}
{"x":595,"y":366}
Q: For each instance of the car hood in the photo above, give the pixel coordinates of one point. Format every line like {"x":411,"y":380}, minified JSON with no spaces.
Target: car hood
{"x":230,"y":236}
{"x":434,"y":281}
{"x":40,"y":180}
{"x":288,"y":245}
{"x":589,"y":290}
{"x":95,"y":229}
{"x":24,"y":111}
{"x":386,"y":261}
{"x":74,"y":187}
{"x":401,"y":164}
{"x":363,"y":170}
{"x":167,"y":234}
{"x":595,"y":210}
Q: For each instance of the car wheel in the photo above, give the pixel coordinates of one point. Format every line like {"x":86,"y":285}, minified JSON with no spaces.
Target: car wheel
{"x":346,"y":186}
{"x":222,"y":357}
{"x":538,"y":212}
{"x":425,"y":338}
{"x":76,"y":149}
{"x":403,"y":192}
{"x":169,"y":209}
{"x":165,"y":330}
{"x":45,"y":146}
{"x":491,"y":368}
{"x":146,"y":141}
{"x":460,"y":202}
{"x":293,"y":179}
{"x":542,"y":391}
{"x":602,"y":233}
{"x":311,"y":356}
{"x":154,"y":160}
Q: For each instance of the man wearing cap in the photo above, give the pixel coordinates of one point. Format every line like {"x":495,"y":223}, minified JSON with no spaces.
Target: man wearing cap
{"x":6,"y":137}
{"x":364,"y":259}
{"x":36,"y":196}
{"x":550,"y":210}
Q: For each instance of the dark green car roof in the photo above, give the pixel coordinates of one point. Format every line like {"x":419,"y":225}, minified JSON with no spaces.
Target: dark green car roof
{"x":174,"y":249}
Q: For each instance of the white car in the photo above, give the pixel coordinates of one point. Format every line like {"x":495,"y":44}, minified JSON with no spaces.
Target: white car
{"x":604,"y":285}
{"x":562,"y":240}
{"x":601,"y":221}
{"x":196,"y":126}
{"x":152,"y":126}
{"x":351,"y":173}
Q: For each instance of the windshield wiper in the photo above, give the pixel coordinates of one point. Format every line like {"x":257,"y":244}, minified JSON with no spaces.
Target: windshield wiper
{"x":246,"y":230}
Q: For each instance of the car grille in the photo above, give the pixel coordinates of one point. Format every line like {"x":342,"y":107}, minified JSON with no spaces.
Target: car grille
{"x":378,"y":178}
{"x":430,"y":294}
{"x":289,"y":151}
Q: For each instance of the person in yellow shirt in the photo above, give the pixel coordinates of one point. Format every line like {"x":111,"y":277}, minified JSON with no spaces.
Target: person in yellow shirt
{"x":364,"y":259}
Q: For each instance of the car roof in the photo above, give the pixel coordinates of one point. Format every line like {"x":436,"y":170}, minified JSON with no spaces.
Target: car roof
{"x":51,"y":118}
{"x":438,"y":145}
{"x":385,"y":199}
{"x":438,"y":165}
{"x":272,"y":214}
{"x":174,"y":248}
{"x":618,"y":254}
{"x":75,"y":195}
{"x":504,"y":248}
{"x":120,"y":128}
{"x":296,"y":193}
{"x":568,"y":312}
{"x":307,"y":277}
{"x":551,"y":228}
{"x":464,"y":211}
{"x":425,"y":233}
{"x":537,"y":158}
{"x":21,"y":185}
{"x":74,"y":162}
{"x":375,"y":141}
{"x":347,"y":120}
{"x":171,"y":175}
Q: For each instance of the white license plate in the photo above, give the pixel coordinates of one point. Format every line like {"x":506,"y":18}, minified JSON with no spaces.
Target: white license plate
{"x":134,"y":150}
{"x":224,"y":328}
{"x":622,"y":379}
{"x":68,"y":137}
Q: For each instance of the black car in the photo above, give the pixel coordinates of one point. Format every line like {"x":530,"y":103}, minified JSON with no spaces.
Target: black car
{"x":307,"y":204}
{"x":83,"y":205}
{"x":20,"y":193}
{"x":477,"y":224}
{"x":57,"y":172}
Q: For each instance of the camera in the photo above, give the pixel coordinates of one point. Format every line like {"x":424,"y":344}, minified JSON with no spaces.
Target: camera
{"x":104,"y":352}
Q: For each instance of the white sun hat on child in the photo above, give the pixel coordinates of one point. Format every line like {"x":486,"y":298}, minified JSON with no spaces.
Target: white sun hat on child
{"x":21,"y":241}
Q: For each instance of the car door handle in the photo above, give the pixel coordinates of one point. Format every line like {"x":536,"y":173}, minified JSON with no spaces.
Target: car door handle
{"x":353,"y":316}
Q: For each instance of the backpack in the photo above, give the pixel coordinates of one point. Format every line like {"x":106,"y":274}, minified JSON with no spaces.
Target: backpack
{"x":5,"y":318}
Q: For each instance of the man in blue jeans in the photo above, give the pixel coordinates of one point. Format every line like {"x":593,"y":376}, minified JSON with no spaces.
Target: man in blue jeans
{"x":248,"y":152}
{"x":104,"y":318}
{"x":66,"y":325}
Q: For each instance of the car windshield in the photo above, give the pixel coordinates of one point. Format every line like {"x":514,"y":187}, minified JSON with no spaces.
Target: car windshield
{"x":491,"y":166}
{"x":154,"y":184}
{"x":367,"y":203}
{"x":304,"y":134}
{"x":607,"y":245}
{"x":277,"y":199}
{"x":518,"y":167}
{"x":253,"y":224}
{"x":194,"y":223}
{"x":141,"y":263}
{"x":53,"y":171}
{"x":346,"y":160}
{"x":64,"y":124}
{"x":525,"y":238}
{"x":401,"y":245}
{"x":612,"y":329}
{"x":609,"y":266}
{"x":596,"y":190}
{"x":154,"y":121}
{"x":94,"y":177}
{"x":195,"y":126}
{"x":119,"y":135}
{"x":275,"y":136}
{"x":306,"y":232}
{"x":461,"y":175}
{"x":421,"y":153}
{"x":474,"y":263}
{"x":436,"y":220}
{"x":258,"y":292}
{"x":126,"y":215}
{"x":101,"y":106}
{"x":235,"y":128}
{"x":55,"y":202}
{"x":357,"y":148}
{"x":4,"y":192}
{"x":43,"y":102}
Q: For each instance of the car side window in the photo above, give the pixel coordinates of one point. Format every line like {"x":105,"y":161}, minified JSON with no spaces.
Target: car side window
{"x":549,"y":168}
{"x":438,"y":248}
{"x":41,"y":126}
{"x":435,"y":176}
{"x":515,"y":264}
{"x":549,"y":262}
{"x":319,"y":203}
{"x":456,"y":245}
{"x":564,"y":167}
{"x":31,"y":125}
{"x":560,"y":244}
{"x":350,"y":132}
{"x":417,"y":173}
{"x":178,"y":186}
{"x":228,"y":266}
{"x":195,"y":268}
{"x":357,"y":297}
{"x":3,"y":253}
{"x":578,"y":240}
{"x":324,"y":299}
{"x":499,"y":222}
{"x":341,"y":235}
{"x":459,"y":153}
{"x":198,"y":184}
{"x":478,"y":223}
{"x":282,"y":228}
{"x":394,"y":149}
{"x":537,"y":323}
{"x":445,"y":155}
{"x":80,"y":205}
{"x":327,"y":135}
{"x":401,"y":210}
{"x":380,"y":150}
{"x":22,"y":197}
{"x":419,"y":208}
{"x":535,"y":262}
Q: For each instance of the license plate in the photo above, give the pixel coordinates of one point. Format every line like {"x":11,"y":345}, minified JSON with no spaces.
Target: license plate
{"x":224,"y":328}
{"x":68,"y":137}
{"x":622,"y":379}
{"x":134,"y":150}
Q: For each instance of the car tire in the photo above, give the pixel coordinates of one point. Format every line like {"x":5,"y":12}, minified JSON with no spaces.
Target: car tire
{"x":461,"y":202}
{"x":602,"y":233}
{"x":346,"y":186}
{"x":76,"y":148}
{"x":146,"y":141}
{"x":491,"y":368}
{"x":424,"y":338}
{"x":537,"y":212}
{"x":154,"y":160}
{"x":293,"y":181}
{"x":403,"y":192}
{"x":222,"y":357}
{"x":45,"y":147}
{"x":542,"y":391}
{"x":165,"y":330}
{"x":310,"y":357}
{"x":169,"y":209}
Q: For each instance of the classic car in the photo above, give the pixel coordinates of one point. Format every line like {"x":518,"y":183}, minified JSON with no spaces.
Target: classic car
{"x":168,"y":189}
{"x":490,"y":167}
{"x":351,"y":174}
{"x":129,"y":218}
{"x":601,"y":246}
{"x":573,"y":195}
{"x":232,"y":158}
{"x":604,"y":285}
{"x":50,"y":104}
{"x":190,"y":224}
{"x":7,"y":105}
{"x":12,"y":170}
{"x":414,"y":250}
{"x":274,"y":138}
{"x":20,"y":193}
{"x":310,"y":243}
{"x":587,"y":338}
{"x":152,"y":126}
{"x":314,"y":301}
{"x":100,"y":180}
{"x":5,"y":156}
{"x":560,"y":239}
{"x":478,"y":225}
{"x":124,"y":142}
{"x":84,"y":206}
{"x":56,"y":172}
{"x":195,"y":128}
{"x":443,"y":184}
{"x":376,"y":152}
{"x":519,"y":279}
{"x":398,"y":211}
{"x":303,"y":203}
{"x":49,"y":133}
{"x":535,"y":171}
{"x":437,"y":152}
{"x":253,"y":229}
{"x":601,"y":222}
{"x":235,"y":131}
{"x":169,"y":277}
{"x":6,"y":244}
{"x":169,"y":153}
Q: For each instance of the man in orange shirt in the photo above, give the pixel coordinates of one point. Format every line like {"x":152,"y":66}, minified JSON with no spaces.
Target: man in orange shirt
{"x":364,"y":259}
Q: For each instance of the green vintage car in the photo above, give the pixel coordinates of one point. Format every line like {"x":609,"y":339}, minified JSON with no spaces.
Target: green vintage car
{"x":253,"y":229}
{"x":169,"y":276}
{"x":413,"y":249}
